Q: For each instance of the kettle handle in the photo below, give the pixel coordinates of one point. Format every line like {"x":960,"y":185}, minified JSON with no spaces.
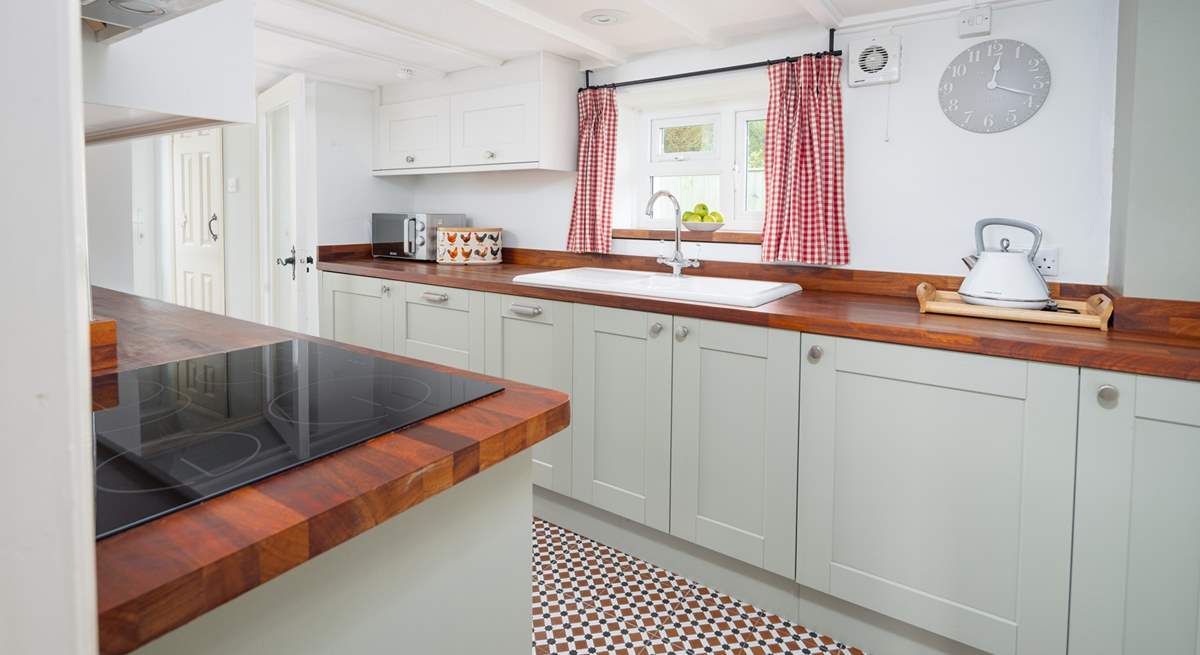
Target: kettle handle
{"x":1010,"y":222}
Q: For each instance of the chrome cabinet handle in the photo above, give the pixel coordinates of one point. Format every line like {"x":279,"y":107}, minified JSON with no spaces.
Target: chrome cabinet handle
{"x":489,"y":154}
{"x":212,"y":221}
{"x":656,"y":329}
{"x":1107,"y":395}
{"x":410,"y":159}
{"x":682,"y":332}
{"x":435,"y":297}
{"x":815,"y":354}
{"x":386,"y":289}
{"x":525,"y":310}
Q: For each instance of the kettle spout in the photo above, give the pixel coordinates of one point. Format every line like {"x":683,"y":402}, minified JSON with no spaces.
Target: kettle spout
{"x":970,"y":261}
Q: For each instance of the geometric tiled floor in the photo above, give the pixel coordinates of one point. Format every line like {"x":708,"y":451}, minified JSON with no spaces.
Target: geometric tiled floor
{"x":590,"y":598}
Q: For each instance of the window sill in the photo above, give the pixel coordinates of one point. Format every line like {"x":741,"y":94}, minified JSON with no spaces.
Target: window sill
{"x":720,"y":236}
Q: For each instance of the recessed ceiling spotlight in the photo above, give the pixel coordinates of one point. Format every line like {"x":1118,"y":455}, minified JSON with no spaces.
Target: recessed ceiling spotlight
{"x":405,"y":73}
{"x":604,"y":17}
{"x":137,"y":7}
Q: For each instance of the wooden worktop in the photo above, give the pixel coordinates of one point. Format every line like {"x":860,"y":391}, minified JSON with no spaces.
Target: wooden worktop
{"x":160,"y":575}
{"x":856,"y":304}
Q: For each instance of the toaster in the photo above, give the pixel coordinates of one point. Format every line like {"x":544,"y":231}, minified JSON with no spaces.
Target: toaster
{"x":410,"y":236}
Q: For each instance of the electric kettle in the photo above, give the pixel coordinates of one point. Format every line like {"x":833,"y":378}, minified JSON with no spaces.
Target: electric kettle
{"x":1004,"y":278}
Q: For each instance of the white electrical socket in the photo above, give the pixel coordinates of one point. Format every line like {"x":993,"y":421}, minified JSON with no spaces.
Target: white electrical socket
{"x":1046,"y":261}
{"x":975,"y":22}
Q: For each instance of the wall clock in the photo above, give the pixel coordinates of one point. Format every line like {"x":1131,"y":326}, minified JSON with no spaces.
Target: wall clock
{"x":994,"y":86}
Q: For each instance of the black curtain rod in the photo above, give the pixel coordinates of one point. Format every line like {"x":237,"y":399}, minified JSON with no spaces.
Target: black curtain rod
{"x":726,"y":69}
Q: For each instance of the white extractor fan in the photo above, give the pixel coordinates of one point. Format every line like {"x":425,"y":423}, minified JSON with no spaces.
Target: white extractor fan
{"x":874,"y":61}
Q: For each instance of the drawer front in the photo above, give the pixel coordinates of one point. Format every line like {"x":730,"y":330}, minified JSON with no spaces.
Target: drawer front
{"x":527,"y":309}
{"x":447,"y":297}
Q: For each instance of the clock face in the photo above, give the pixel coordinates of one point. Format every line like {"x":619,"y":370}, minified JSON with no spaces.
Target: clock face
{"x":994,"y":86}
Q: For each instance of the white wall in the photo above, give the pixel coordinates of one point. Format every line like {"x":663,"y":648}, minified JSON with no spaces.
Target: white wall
{"x":47,"y":535}
{"x":110,"y":215}
{"x":911,"y":200}
{"x":200,"y":64}
{"x":239,"y":147}
{"x":144,"y":214}
{"x":1155,"y":230}
{"x":347,"y":193}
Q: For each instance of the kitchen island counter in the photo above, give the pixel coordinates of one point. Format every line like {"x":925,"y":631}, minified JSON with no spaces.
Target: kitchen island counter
{"x":156,"y":577}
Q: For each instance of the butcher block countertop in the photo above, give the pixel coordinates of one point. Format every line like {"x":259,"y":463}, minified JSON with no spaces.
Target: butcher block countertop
{"x":878,"y":313}
{"x":157,"y":576}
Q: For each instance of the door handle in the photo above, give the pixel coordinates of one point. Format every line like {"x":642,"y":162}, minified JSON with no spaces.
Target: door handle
{"x":656,"y":329}
{"x":212,"y":221}
{"x":682,"y":332}
{"x":289,"y":261}
{"x":409,"y":248}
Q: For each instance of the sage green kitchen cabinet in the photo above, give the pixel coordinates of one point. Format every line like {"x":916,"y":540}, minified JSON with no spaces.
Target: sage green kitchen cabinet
{"x":937,"y":489}
{"x":1136,"y":568}
{"x":358,"y":310}
{"x":529,"y":340}
{"x":441,"y":325}
{"x":735,"y":397}
{"x":620,"y":410}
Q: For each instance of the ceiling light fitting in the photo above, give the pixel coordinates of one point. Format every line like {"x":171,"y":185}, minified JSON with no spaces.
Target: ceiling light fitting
{"x":604,"y":17}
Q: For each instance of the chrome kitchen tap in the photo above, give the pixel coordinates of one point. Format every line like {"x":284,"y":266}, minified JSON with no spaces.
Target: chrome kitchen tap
{"x":678,"y":261}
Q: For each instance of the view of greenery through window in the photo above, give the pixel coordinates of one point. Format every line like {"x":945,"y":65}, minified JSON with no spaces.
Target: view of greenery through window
{"x":755,"y":174}
{"x":687,"y":138}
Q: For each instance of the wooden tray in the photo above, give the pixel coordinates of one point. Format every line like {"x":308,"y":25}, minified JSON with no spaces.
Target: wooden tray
{"x":1093,"y":312}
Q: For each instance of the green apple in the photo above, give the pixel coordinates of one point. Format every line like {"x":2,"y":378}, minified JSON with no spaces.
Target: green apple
{"x":701,"y":209}
{"x":716,"y":217}
{"x":692,"y":217}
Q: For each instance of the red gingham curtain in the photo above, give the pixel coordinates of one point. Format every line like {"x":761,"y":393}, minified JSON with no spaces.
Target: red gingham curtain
{"x":804,"y":219}
{"x":591,"y":214}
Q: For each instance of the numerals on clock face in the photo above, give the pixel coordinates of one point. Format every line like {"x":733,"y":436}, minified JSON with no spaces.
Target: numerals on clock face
{"x":994,"y":86}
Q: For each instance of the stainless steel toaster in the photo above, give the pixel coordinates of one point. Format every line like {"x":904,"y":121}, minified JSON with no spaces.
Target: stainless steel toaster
{"x":410,"y":236}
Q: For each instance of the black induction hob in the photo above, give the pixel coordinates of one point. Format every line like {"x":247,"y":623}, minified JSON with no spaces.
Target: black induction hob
{"x":187,"y":431}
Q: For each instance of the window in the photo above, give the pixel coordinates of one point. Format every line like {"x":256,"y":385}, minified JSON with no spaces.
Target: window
{"x":704,"y":153}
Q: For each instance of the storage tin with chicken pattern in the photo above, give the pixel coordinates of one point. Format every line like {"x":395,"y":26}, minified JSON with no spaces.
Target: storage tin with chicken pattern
{"x":468,"y":245}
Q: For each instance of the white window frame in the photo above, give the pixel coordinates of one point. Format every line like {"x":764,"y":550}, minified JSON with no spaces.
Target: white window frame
{"x":726,"y":160}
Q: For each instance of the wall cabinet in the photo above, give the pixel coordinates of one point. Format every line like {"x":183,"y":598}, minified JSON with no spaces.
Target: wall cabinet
{"x":414,"y":134}
{"x":357,"y":310}
{"x":529,"y":340}
{"x":937,"y":489}
{"x":735,"y":398}
{"x":620,"y":413}
{"x":1136,"y":568}
{"x":521,"y":115}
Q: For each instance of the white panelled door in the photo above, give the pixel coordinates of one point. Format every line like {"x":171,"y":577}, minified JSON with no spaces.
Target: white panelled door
{"x":199,"y":215}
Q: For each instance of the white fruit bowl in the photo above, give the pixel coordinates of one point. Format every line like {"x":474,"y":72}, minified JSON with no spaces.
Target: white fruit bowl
{"x":703,"y":227}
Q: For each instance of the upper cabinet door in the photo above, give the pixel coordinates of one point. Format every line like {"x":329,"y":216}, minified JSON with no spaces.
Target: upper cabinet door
{"x":937,"y":489}
{"x":495,"y":126}
{"x":1136,"y":568}
{"x":736,"y":391}
{"x":529,"y":340}
{"x":414,"y":134}
{"x":621,"y":419}
{"x":358,"y":310}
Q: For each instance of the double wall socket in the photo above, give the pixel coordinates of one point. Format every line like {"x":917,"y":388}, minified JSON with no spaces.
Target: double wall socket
{"x":1046,"y":261}
{"x":975,"y":22}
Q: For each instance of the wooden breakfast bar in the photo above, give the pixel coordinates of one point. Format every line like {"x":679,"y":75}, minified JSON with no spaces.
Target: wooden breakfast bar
{"x":423,"y":532}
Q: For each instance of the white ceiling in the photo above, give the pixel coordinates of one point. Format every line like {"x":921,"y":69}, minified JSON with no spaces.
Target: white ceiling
{"x":368,"y":42}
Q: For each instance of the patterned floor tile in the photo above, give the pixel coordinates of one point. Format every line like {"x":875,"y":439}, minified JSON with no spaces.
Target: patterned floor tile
{"x":591,"y":598}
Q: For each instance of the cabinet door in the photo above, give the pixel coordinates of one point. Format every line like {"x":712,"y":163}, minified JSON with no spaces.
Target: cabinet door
{"x":734,"y":438}
{"x":620,"y":406}
{"x":937,"y":489}
{"x":357,"y":310}
{"x":414,"y":134}
{"x":495,"y":126}
{"x":441,"y":325}
{"x":1136,"y":577}
{"x":529,"y":340}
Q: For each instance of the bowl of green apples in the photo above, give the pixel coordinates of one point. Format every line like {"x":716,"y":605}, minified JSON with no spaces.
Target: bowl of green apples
{"x":700,"y":219}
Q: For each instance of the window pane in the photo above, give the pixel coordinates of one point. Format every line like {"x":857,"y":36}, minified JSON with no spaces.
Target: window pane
{"x":755,"y":132}
{"x":756,"y":189}
{"x":687,"y":138}
{"x":689,"y":189}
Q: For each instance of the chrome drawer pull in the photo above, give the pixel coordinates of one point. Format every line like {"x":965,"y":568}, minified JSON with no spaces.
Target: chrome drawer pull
{"x":435,"y":297}
{"x":525,"y":310}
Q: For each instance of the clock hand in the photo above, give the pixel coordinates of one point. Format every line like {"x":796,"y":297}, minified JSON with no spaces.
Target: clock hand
{"x":1005,"y":88}
{"x":995,"y":72}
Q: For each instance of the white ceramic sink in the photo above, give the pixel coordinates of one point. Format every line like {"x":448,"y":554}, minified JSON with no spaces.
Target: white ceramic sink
{"x":716,"y":290}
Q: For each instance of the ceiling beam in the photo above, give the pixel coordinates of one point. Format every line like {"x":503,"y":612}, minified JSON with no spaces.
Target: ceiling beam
{"x":342,"y":47}
{"x":480,"y":58}
{"x":824,"y":12}
{"x":288,"y":70}
{"x":607,"y":54}
{"x":684,"y":14}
